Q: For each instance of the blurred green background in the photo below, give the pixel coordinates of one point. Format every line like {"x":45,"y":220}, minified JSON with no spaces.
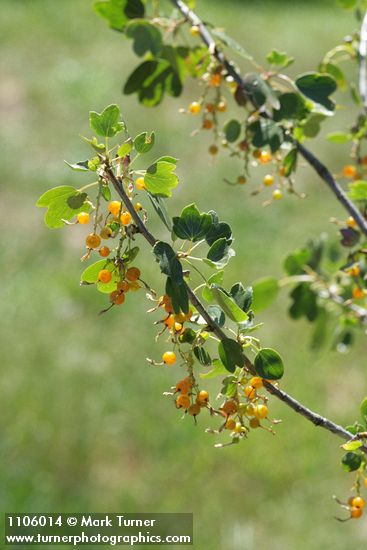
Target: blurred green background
{"x":84,"y":425}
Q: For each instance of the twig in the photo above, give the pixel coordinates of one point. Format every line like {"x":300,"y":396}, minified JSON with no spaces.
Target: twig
{"x":313,"y":417}
{"x":318,"y":166}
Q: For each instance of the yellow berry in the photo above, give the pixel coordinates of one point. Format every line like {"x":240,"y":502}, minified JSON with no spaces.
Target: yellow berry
{"x":230,"y":424}
{"x":268,"y":180}
{"x":277,"y":194}
{"x":202,"y":398}
{"x":261,"y":411}
{"x":106,"y":233}
{"x":250,"y":392}
{"x":140,"y":184}
{"x":222,"y":106}
{"x":349,"y":171}
{"x":265,"y":157}
{"x":114,"y":207}
{"x":351,"y":222}
{"x":250,"y":410}
{"x":256,"y":382}
{"x":83,"y":218}
{"x":194,"y":108}
{"x":104,"y":251}
{"x":213,"y":150}
{"x":125,"y":218}
{"x":138,"y":207}
{"x":194,"y":30}
{"x":169,"y":357}
{"x":104,"y":276}
{"x":93,"y":241}
{"x":358,"y":502}
{"x":194,"y":409}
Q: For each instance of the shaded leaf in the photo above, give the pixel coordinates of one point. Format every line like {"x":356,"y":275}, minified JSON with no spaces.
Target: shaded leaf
{"x":231,"y":354}
{"x":191,"y":224}
{"x":168,"y":261}
{"x":268,"y":364}
{"x":228,"y":304}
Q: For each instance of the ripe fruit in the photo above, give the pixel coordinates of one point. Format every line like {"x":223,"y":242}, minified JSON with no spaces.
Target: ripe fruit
{"x":106,"y":233}
{"x":117,"y":297}
{"x":256,"y":153}
{"x":256,"y":382}
{"x":358,"y":502}
{"x":215,"y":80}
{"x":138,"y":207}
{"x":104,"y":276}
{"x":183,"y":401}
{"x":241,"y":180}
{"x":213,"y":150}
{"x":170,"y":321}
{"x":194,"y":108}
{"x":194,"y":30}
{"x":83,"y":218}
{"x":140,"y":183}
{"x":265,"y":157}
{"x":125,"y":218}
{"x":114,"y":207}
{"x":222,"y":106}
{"x":365,"y":482}
{"x":355,"y":513}
{"x":202,"y":398}
{"x":254,"y":423}
{"x":169,"y":357}
{"x":93,"y":241}
{"x":104,"y":251}
{"x":123,"y":286}
{"x":250,"y":410}
{"x":355,"y":271}
{"x":133,"y":273}
{"x":261,"y":411}
{"x":178,"y":327}
{"x":194,"y":409}
{"x":210,"y":107}
{"x":207,"y":124}
{"x":349,"y":171}
{"x":351,"y":222}
{"x":184,"y":385}
{"x":268,"y":180}
{"x":229,"y":407}
{"x":357,"y":293}
{"x":277,"y":194}
{"x":230,"y":424}
{"x":250,"y":392}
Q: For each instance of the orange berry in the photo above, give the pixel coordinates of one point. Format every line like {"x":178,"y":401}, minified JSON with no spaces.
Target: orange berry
{"x":83,"y":218}
{"x":222,"y":106}
{"x":281,"y":171}
{"x":210,"y":107}
{"x":277,"y":194}
{"x":170,"y":321}
{"x":183,"y":401}
{"x":194,"y":108}
{"x":104,"y":251}
{"x":215,"y":80}
{"x":207,"y":124}
{"x":355,"y":271}
{"x":194,"y":409}
{"x":123,"y":286}
{"x":265,"y":157}
{"x":256,"y":153}
{"x":351,"y":222}
{"x":250,"y":392}
{"x":133,"y":273}
{"x":169,"y":357}
{"x":93,"y":241}
{"x":104,"y":276}
{"x":117,"y":297}
{"x":349,"y":171}
{"x":180,"y":317}
{"x":357,"y":293}
{"x":114,"y":207}
{"x":140,"y":184}
{"x":213,"y":150}
{"x":254,"y":423}
{"x":358,"y":502}
{"x":261,"y":411}
{"x":241,"y":180}
{"x":268,"y":180}
{"x":230,"y":424}
{"x":202,"y":398}
{"x":184,"y":385}
{"x":106,"y":233}
{"x":229,"y":407}
{"x":125,"y":218}
{"x":355,"y":513}
{"x":256,"y":382}
{"x":364,"y":160}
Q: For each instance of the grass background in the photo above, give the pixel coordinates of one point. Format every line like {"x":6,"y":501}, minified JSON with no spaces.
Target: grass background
{"x":83,"y":423}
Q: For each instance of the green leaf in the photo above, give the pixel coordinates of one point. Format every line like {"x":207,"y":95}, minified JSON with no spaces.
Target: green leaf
{"x":160,"y":178}
{"x":312,"y":125}
{"x":352,"y":445}
{"x":146,"y":37}
{"x":220,"y":264}
{"x":217,"y":315}
{"x":143,"y":143}
{"x":281,"y":59}
{"x":63,"y":203}
{"x":304,"y":303}
{"x":228,"y":304}
{"x":99,"y":147}
{"x":106,"y":192}
{"x":338,"y":137}
{"x":218,"y":370}
{"x":168,"y":261}
{"x":90,"y":275}
{"x":290,"y":162}
{"x":230,"y":386}
{"x":178,"y":295}
{"x":206,"y":293}
{"x":232,"y":130}
{"x":317,"y":87}
{"x":336,"y":72}
{"x":125,"y":148}
{"x":81,"y":166}
{"x":295,"y":262}
{"x":265,"y":291}
{"x":363,"y":409}
{"x":348,"y":4}
{"x":192,"y":225}
{"x":231,"y":354}
{"x":268,"y":364}
{"x":242,"y":296}
{"x":218,"y":230}
{"x":266,"y":132}
{"x":160,"y":207}
{"x":291,"y":106}
{"x":188,"y":336}
{"x":118,"y":12}
{"x":218,"y":250}
{"x":259,"y":91}
{"x":358,"y":190}
{"x":107,"y":123}
{"x":351,"y":461}
{"x":202,"y":356}
{"x":231,"y":43}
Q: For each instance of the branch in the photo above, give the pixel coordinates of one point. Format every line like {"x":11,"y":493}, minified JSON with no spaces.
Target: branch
{"x":362,"y":63}
{"x":320,"y":168}
{"x":313,"y":417}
